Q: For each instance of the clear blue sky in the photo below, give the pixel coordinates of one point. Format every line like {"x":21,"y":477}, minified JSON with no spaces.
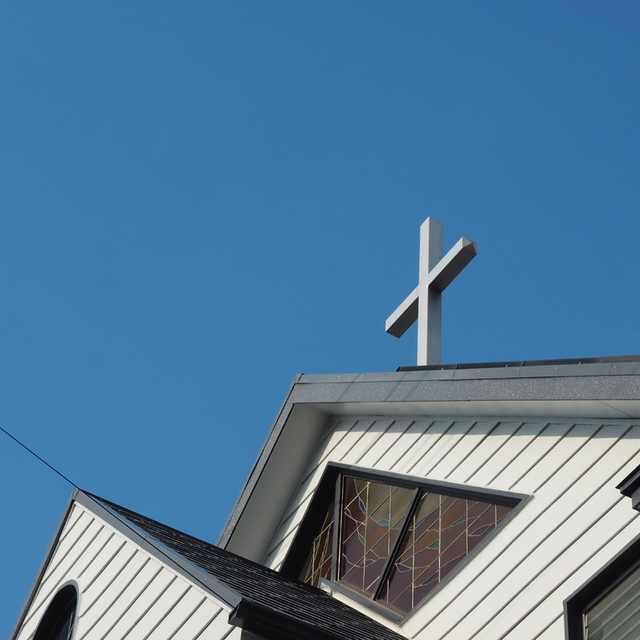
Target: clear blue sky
{"x":199,"y":200}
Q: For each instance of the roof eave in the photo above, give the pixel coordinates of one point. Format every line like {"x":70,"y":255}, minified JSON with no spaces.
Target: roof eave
{"x":593,"y":390}
{"x":272,"y":625}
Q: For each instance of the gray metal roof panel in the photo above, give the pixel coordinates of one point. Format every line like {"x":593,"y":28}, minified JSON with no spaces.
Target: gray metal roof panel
{"x":614,"y":365}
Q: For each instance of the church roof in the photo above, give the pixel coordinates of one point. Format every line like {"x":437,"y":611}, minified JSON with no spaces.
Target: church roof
{"x":588,"y":388}
{"x":265,"y":602}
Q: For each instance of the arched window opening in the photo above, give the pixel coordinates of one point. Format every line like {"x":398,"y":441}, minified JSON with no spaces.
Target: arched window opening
{"x":60,"y":616}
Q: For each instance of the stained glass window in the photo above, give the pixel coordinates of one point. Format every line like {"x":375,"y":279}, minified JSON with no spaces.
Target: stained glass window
{"x":372,"y":513}
{"x":318,"y":562}
{"x":443,"y":530}
{"x":396,"y":543}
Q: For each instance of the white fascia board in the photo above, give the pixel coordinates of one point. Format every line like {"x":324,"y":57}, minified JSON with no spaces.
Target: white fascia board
{"x":268,"y":489}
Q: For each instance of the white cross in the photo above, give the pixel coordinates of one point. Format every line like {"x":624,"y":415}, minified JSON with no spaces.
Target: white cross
{"x":424,"y":303}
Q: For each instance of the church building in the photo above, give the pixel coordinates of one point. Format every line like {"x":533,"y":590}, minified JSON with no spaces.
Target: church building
{"x":486,"y":501}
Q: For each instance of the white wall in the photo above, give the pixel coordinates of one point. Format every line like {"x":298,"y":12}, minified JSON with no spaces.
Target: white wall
{"x":124,"y":591}
{"x":575,"y":521}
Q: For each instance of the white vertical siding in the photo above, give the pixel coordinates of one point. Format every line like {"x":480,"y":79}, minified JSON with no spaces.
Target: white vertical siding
{"x":514,"y":586}
{"x":124,"y":592}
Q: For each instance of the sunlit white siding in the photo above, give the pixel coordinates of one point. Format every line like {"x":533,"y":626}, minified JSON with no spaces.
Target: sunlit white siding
{"x":573,"y":523}
{"x":124,"y":591}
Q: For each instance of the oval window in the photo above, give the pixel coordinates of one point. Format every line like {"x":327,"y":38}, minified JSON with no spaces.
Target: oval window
{"x":59,"y":618}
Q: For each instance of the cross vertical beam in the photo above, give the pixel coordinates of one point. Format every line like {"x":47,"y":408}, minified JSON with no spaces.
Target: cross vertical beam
{"x":429,"y":300}
{"x":424,"y":303}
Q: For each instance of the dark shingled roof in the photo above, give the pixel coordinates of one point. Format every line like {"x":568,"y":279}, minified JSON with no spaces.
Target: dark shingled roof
{"x":270,"y":604}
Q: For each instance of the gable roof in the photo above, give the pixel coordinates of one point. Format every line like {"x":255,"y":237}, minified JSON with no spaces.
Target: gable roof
{"x":598,"y":388}
{"x":264,"y":601}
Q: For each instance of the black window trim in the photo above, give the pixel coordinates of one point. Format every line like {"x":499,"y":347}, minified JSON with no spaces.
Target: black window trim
{"x":328,"y":489}
{"x":609,"y":577}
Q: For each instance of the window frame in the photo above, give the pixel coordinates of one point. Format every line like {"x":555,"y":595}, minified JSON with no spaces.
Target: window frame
{"x":621,"y":566}
{"x":329,"y":488}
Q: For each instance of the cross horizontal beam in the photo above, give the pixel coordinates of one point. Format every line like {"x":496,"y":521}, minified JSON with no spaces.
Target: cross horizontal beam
{"x":449,"y":268}
{"x":439,"y":279}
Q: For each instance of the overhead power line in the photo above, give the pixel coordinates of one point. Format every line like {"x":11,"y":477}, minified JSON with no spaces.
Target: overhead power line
{"x":33,"y":453}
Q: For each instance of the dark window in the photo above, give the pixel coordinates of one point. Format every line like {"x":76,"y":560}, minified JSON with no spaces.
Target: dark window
{"x":608,"y":606}
{"x":389,"y":538}
{"x":617,"y":614}
{"x":59,"y":618}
